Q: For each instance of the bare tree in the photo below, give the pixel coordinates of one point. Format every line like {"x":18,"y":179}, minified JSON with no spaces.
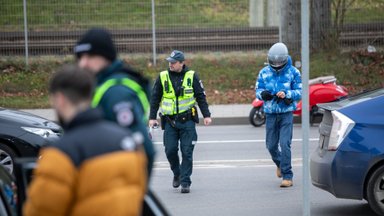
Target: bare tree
{"x":340,"y":7}
{"x":321,"y":23}
{"x":325,"y":28}
{"x":290,"y":26}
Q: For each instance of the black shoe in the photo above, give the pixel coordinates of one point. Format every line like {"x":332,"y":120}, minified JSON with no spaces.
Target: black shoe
{"x":185,"y":189}
{"x":176,"y":181}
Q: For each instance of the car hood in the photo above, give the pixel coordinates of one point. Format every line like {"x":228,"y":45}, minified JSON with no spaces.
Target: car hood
{"x":26,"y":119}
{"x":352,"y":100}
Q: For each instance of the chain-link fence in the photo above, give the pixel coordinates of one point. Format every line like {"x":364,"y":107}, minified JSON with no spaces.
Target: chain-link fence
{"x":52,"y":26}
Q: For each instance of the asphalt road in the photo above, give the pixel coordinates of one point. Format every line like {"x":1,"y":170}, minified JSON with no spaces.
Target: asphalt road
{"x":233,"y":175}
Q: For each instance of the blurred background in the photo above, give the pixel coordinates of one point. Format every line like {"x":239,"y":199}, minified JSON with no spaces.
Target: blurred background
{"x":224,"y":40}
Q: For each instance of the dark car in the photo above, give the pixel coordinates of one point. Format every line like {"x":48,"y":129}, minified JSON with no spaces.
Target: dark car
{"x":349,"y":161}
{"x":23,"y":134}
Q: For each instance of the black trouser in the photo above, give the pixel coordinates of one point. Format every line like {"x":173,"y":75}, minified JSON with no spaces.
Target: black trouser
{"x":185,"y":132}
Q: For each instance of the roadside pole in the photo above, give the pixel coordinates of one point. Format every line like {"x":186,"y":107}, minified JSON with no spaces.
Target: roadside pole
{"x":25,"y":32}
{"x":305,"y":104}
{"x":153,"y":33}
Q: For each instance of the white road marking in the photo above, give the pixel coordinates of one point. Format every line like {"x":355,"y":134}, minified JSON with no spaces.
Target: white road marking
{"x":224,"y":164}
{"x":237,"y":141}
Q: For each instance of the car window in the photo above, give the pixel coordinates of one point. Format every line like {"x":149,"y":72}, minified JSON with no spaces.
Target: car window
{"x":23,"y":171}
{"x":3,"y":210}
{"x":4,"y":193}
{"x":8,"y":192}
{"x":358,"y":98}
{"x":363,"y":96}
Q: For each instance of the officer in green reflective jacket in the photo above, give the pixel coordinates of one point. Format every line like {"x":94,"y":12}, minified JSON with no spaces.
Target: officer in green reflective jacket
{"x":176,"y":91}
{"x":121,"y":92}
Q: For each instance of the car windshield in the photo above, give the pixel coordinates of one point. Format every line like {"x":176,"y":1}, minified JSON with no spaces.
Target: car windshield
{"x":358,"y":98}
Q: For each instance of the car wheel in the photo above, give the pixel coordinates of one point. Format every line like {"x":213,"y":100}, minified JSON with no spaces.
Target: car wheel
{"x":7,"y":157}
{"x":375,"y":191}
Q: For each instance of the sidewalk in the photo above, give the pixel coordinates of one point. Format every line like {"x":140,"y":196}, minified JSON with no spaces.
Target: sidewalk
{"x":230,"y":114}
{"x":221,"y":114}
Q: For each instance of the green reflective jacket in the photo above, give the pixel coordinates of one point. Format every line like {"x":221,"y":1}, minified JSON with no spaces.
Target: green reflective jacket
{"x":134,"y":86}
{"x":172,"y":104}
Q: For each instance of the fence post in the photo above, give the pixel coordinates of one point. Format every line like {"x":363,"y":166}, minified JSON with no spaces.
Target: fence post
{"x":153,"y":33}
{"x":280,"y":22}
{"x":25,"y":32}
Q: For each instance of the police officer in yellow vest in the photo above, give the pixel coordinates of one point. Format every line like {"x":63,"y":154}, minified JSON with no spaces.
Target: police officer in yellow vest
{"x":176,"y":91}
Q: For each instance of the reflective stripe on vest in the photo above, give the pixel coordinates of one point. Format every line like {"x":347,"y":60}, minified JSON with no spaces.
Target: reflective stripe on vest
{"x":185,"y":102}
{"x":134,"y":86}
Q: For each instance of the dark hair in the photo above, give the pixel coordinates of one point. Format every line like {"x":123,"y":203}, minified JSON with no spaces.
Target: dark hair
{"x":75,"y":83}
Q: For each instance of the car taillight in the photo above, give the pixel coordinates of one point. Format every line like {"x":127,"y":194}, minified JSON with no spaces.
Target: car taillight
{"x":341,"y":126}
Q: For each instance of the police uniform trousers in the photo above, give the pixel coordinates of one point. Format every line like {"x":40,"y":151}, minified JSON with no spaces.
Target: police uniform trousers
{"x":183,"y":134}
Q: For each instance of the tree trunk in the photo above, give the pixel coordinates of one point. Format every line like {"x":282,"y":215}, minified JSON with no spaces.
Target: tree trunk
{"x":290,"y":26}
{"x":320,"y":24}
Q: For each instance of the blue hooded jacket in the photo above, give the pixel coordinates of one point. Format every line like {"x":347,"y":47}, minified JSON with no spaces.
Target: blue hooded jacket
{"x":287,"y":80}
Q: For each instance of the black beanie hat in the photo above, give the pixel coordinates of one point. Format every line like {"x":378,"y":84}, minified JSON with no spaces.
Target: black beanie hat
{"x":96,"y":41}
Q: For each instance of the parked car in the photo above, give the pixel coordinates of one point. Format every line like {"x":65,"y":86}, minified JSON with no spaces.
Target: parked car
{"x":22,"y":134}
{"x":349,"y":161}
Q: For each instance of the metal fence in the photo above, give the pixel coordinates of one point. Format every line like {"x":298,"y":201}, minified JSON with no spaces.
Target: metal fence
{"x":52,"y":26}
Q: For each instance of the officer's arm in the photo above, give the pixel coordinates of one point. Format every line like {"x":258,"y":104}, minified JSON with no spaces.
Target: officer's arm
{"x":123,"y":107}
{"x":157,"y":94}
{"x":199,"y":92}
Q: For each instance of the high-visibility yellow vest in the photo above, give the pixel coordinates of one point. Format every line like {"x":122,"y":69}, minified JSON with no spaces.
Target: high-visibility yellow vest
{"x":134,"y":86}
{"x":170,"y":104}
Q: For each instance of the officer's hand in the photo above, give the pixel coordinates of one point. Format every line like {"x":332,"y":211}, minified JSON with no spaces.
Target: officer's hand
{"x":207,"y":121}
{"x":266,"y":95}
{"x":153,"y":123}
{"x":280,"y":94}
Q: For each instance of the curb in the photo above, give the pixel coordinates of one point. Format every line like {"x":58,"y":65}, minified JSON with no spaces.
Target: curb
{"x":228,"y":121}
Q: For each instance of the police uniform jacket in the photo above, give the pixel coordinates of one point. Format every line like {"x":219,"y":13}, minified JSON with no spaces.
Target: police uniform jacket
{"x":121,"y":104}
{"x":177,"y":80}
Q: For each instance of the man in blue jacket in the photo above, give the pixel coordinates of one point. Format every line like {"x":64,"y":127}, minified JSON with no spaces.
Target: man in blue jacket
{"x":279,"y":86}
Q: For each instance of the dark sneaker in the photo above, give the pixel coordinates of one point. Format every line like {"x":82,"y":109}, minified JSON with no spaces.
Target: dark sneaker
{"x":176,"y":181}
{"x":185,"y":189}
